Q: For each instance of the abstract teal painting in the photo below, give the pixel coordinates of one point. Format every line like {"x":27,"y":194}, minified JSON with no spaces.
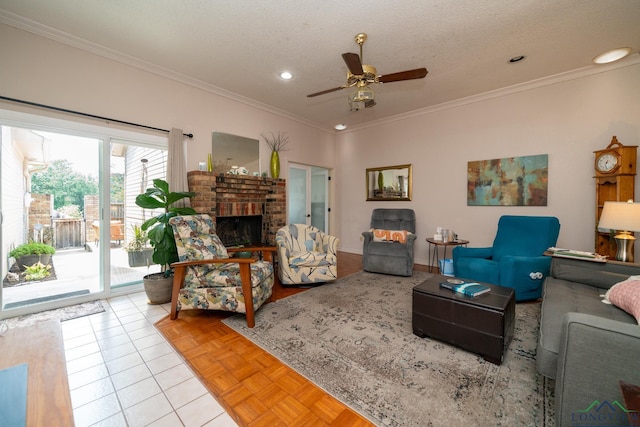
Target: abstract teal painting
{"x":512,"y":181}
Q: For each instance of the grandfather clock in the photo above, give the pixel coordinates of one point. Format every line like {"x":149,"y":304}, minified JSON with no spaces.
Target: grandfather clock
{"x":615,"y":181}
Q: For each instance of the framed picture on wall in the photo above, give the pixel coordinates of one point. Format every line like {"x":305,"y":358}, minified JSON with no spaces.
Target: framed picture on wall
{"x":389,"y":183}
{"x":512,"y":181}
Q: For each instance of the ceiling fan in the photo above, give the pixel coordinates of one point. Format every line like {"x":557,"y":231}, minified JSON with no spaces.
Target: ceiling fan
{"x":361,"y":76}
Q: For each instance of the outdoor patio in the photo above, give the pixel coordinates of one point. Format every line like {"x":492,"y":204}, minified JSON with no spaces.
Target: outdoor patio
{"x":77,"y":273}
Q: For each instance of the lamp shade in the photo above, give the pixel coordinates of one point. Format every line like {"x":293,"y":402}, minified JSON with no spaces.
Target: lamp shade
{"x":623,"y":216}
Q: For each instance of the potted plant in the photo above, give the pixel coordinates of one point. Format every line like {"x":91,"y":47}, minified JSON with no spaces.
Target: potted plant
{"x":31,"y":253}
{"x":37,"y":271}
{"x":158,"y":285}
{"x":138,"y":250}
{"x":243,"y":254}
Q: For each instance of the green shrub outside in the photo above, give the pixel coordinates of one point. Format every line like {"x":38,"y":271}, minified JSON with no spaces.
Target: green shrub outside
{"x":37,"y":271}
{"x":32,"y":249}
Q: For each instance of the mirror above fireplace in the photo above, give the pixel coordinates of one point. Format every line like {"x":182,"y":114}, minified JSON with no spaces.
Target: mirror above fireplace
{"x":233,"y":150}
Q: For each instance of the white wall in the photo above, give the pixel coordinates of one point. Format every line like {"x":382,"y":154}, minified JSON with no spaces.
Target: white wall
{"x":567,"y":120}
{"x":40,"y":70}
{"x":13,"y":197}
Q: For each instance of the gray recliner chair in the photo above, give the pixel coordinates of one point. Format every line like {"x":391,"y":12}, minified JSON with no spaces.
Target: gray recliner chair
{"x":390,"y":257}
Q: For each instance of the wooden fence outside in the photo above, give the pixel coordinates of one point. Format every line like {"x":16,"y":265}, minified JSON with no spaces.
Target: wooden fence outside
{"x":68,"y":232}
{"x":72,"y":232}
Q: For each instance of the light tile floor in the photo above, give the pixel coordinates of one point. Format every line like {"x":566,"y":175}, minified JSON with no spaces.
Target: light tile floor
{"x":122,"y":372}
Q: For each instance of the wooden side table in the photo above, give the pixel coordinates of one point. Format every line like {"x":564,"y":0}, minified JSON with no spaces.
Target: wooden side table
{"x":41,"y":347}
{"x":435,"y":246}
{"x":631,"y":395}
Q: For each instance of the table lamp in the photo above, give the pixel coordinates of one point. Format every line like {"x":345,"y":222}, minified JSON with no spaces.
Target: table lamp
{"x":624,"y":217}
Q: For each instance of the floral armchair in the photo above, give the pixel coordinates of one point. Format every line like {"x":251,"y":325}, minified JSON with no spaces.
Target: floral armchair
{"x":206,"y":278}
{"x":306,"y":255}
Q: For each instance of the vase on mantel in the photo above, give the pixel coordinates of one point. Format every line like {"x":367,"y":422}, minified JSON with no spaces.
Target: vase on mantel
{"x":275,"y":164}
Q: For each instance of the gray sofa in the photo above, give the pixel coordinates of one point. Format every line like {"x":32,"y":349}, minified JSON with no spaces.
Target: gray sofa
{"x":585,"y":345}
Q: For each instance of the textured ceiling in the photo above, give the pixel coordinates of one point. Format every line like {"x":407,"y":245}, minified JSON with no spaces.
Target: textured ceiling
{"x":240,"y":46}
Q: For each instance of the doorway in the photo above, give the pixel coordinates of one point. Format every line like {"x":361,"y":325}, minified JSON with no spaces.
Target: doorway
{"x":308,"y":196}
{"x":45,"y":179}
{"x":72,"y":187}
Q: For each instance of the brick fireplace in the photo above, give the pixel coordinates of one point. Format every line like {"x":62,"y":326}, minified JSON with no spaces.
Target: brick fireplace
{"x":233,"y":199}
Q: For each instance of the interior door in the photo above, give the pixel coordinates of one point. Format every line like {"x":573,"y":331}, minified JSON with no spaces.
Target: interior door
{"x":308,"y":195}
{"x":297,"y":188}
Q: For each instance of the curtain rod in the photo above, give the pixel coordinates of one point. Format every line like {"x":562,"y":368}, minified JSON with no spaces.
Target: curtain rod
{"x":64,"y":110}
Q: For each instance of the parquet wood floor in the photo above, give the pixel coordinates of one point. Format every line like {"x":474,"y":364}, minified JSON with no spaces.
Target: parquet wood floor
{"x":255,"y":388}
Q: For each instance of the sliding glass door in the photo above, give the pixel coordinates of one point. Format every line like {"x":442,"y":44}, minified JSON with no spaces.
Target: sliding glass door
{"x":47,"y":178}
{"x":133,"y":169}
{"x":70,"y":189}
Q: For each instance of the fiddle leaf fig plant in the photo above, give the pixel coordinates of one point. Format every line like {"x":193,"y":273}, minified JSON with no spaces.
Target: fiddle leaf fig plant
{"x":158,"y":229}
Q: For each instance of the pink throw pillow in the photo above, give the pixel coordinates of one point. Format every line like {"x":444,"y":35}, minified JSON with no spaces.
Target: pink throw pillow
{"x":626,"y":295}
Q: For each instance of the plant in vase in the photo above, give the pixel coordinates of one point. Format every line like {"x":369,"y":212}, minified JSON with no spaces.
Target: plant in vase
{"x":243,"y":254}
{"x":138,"y":250}
{"x":158,"y":285}
{"x":276,"y":142}
{"x":32,"y":253}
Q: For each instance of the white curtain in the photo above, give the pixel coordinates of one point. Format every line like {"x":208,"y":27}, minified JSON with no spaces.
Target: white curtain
{"x":177,"y":165}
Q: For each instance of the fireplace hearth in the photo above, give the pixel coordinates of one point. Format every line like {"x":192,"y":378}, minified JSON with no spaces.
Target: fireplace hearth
{"x":239,"y":230}
{"x":225,"y":197}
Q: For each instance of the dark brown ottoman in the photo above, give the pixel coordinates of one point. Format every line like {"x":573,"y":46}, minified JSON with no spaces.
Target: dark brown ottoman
{"x":483,"y":324}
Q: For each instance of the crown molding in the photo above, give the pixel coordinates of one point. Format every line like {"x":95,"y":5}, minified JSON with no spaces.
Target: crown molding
{"x":34,"y":27}
{"x":509,"y":90}
{"x":45,"y":31}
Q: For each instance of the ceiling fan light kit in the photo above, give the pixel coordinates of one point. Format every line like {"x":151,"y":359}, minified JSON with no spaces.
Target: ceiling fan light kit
{"x":362,"y":97}
{"x":362,"y":75}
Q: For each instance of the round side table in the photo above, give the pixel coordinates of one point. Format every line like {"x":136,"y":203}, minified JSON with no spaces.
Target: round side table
{"x":434,"y":245}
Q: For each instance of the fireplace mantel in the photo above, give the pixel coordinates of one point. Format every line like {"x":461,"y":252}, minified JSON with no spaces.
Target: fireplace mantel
{"x":240,"y":195}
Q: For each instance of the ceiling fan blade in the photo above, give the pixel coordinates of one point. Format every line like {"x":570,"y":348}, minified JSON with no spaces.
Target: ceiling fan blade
{"x":418,"y":73}
{"x":353,"y":63}
{"x":325,"y":91}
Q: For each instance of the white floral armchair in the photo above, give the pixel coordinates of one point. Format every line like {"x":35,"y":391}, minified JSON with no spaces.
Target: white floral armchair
{"x":206,"y":278}
{"x":306,"y":255}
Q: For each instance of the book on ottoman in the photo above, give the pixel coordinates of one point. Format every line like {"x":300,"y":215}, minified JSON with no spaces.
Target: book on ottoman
{"x":471,"y":289}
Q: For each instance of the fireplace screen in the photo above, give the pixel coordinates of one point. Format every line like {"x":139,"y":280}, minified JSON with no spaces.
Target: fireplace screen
{"x":239,"y":230}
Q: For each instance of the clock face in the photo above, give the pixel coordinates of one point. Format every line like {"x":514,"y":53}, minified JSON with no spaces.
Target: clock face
{"x":607,"y":162}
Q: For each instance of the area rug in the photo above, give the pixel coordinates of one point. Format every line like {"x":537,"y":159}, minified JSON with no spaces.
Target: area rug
{"x":62,"y":314}
{"x":353,"y":338}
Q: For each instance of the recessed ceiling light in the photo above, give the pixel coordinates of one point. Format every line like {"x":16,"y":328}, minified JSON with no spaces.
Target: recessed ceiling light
{"x":516,"y":59}
{"x":285,"y":75}
{"x":340,"y":126}
{"x":612,"y":55}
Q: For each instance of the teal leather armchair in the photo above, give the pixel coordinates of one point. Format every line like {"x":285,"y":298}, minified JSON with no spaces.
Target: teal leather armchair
{"x":516,"y":258}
